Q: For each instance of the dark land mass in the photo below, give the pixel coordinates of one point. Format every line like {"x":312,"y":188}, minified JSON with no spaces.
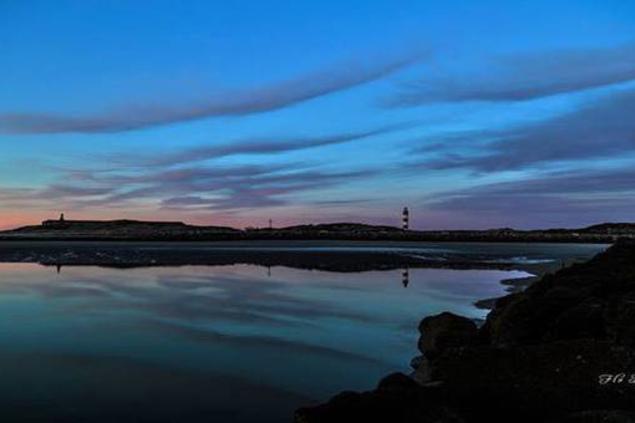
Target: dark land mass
{"x":337,"y":256}
{"x":563,"y":350}
{"x":130,"y":230}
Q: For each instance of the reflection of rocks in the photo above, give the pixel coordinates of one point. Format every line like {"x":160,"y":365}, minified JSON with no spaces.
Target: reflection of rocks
{"x":538,"y":357}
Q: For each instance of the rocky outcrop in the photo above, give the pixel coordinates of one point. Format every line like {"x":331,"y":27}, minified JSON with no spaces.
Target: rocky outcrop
{"x":561,"y":351}
{"x":397,"y":399}
{"x":444,"y":331}
{"x":590,"y":300}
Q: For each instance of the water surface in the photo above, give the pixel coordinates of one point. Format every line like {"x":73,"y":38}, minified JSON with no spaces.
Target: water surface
{"x":236,"y":343}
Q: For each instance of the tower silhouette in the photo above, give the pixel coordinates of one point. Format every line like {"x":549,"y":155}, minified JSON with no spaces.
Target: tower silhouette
{"x":405,"y":218}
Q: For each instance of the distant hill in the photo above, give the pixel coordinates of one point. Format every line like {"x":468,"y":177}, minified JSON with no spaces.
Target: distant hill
{"x":340,"y":227}
{"x":179,"y":231}
{"x":611,"y":228}
{"x":115,"y":229}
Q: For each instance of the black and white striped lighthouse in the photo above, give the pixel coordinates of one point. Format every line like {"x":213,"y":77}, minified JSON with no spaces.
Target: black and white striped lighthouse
{"x":405,"y":218}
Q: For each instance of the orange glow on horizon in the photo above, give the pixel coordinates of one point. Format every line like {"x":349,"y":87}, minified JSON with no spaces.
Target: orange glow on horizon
{"x":299,"y":216}
{"x":12,"y":220}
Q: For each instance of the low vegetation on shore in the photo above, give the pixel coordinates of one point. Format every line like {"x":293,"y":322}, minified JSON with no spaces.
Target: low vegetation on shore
{"x":178,"y":231}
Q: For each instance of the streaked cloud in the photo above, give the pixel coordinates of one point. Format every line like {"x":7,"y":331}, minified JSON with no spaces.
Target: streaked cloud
{"x":171,"y":182}
{"x":187,"y":189}
{"x":243,"y":102}
{"x":556,"y":198}
{"x":268,"y":145}
{"x":526,"y":76}
{"x":602,"y":128}
{"x":263,"y":191}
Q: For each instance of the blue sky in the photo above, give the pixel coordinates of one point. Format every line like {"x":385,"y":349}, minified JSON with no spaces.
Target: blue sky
{"x":475,"y":114}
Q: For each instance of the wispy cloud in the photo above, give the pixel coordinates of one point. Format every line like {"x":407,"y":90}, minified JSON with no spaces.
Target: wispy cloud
{"x":602,"y":128}
{"x":244,"y":102}
{"x":526,"y":77}
{"x":262,"y":191}
{"x":186,"y":189}
{"x":186,"y":182}
{"x":557,"y":198}
{"x":270,"y":145}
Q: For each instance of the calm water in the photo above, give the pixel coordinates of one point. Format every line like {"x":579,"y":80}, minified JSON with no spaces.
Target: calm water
{"x":234,"y":343}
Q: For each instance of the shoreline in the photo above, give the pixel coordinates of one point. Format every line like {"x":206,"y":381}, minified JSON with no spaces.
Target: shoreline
{"x":414,"y":238}
{"x":346,"y":256}
{"x":553,"y":352}
{"x":130,"y":230}
{"x":518,"y":285}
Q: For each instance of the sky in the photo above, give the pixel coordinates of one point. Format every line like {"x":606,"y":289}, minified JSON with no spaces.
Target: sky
{"x":495,"y":113}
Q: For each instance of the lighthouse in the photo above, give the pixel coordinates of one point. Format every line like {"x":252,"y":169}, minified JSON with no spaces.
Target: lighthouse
{"x":405,"y":218}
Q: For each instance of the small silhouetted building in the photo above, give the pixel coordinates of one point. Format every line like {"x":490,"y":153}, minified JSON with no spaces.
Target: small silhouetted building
{"x":61,"y":222}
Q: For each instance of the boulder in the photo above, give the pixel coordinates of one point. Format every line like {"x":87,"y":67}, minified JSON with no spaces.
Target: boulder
{"x":584,"y":320}
{"x":445,"y":330}
{"x":532,"y":382}
{"x":595,"y":300}
{"x":621,"y":320}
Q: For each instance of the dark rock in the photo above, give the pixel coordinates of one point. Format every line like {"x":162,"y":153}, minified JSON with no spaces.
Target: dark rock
{"x":535,"y":381}
{"x":584,"y":320}
{"x":621,"y":320}
{"x":397,"y":381}
{"x":397,"y":399}
{"x":584,"y":300}
{"x":486,"y":304}
{"x":416,"y":361}
{"x":445,"y":330}
{"x":600,"y":416}
{"x":539,"y":357}
{"x":424,"y":373}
